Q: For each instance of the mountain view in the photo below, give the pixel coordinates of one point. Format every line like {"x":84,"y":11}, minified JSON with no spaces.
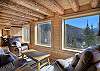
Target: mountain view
{"x":81,"y":32}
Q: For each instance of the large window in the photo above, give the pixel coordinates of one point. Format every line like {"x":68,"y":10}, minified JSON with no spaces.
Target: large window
{"x":26,"y":33}
{"x":43,"y":33}
{"x":80,"y":32}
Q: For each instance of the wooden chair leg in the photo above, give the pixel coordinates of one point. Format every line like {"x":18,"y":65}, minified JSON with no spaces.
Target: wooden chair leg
{"x":38,"y":66}
{"x":48,"y":61}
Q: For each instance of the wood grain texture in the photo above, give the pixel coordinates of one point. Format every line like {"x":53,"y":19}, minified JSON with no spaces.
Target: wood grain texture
{"x":74,"y":5}
{"x":34,"y":6}
{"x":95,"y":3}
{"x":36,"y":10}
{"x":52,"y":5}
{"x":18,"y":7}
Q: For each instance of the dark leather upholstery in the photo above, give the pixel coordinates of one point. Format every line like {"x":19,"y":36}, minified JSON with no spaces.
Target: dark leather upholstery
{"x":86,"y":61}
{"x":5,"y":59}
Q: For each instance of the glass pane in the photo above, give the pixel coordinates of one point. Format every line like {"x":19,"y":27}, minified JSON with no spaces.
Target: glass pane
{"x":44,"y":33}
{"x":81,"y":32}
{"x":26,"y":33}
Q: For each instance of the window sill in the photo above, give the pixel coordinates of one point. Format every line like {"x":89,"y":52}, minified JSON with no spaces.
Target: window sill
{"x":73,"y":50}
{"x":43,"y":45}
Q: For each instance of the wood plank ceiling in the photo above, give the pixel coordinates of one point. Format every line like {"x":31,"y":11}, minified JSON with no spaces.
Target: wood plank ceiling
{"x":19,"y":12}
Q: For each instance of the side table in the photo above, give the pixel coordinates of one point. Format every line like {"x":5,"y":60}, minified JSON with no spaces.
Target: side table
{"x":38,"y":57}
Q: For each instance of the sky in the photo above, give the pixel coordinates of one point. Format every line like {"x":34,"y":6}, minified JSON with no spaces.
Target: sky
{"x":82,"y":21}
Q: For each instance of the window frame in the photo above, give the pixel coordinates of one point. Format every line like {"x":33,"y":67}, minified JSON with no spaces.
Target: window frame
{"x":63,"y":30}
{"x":36,"y":33}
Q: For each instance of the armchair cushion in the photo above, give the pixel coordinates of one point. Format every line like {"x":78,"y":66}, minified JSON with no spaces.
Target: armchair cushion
{"x":5,"y":59}
{"x":8,"y":67}
{"x":92,"y":68}
{"x":65,"y":63}
{"x":19,"y":62}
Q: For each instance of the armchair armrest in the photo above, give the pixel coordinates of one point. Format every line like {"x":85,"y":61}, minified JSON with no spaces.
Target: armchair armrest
{"x":19,"y":62}
{"x":24,"y":46}
{"x":65,"y":64}
{"x":25,"y":67}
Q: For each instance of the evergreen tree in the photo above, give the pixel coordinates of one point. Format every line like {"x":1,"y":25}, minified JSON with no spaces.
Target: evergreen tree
{"x":87,"y":33}
{"x":93,"y":36}
{"x":74,"y":41}
{"x":89,"y":36}
{"x":87,"y":30}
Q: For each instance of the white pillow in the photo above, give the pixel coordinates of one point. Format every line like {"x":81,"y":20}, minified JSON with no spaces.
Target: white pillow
{"x":1,"y":51}
{"x":66,"y":62}
{"x":18,"y":44}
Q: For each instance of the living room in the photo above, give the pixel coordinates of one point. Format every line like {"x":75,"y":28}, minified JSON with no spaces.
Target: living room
{"x":46,"y":34}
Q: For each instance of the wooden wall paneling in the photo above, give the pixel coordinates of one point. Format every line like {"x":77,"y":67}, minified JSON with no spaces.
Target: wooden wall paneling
{"x":55,"y":50}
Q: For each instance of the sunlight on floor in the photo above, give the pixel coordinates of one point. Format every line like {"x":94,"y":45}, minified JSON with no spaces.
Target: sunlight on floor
{"x":48,"y":68}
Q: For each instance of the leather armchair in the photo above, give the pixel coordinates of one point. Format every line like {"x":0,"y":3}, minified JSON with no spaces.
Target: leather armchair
{"x":88,"y":60}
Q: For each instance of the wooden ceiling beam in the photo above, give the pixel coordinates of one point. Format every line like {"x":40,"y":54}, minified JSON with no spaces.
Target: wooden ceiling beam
{"x":31,"y":4}
{"x":14,"y":17}
{"x":8,"y":20}
{"x":5,"y":19}
{"x":74,"y":5}
{"x":94,"y":3}
{"x":52,"y":5}
{"x":4,"y":23}
{"x":11,"y":22}
{"x":13,"y":12}
{"x":20,"y":8}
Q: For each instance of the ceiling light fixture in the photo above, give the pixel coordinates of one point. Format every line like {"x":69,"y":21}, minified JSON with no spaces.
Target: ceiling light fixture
{"x":23,"y":16}
{"x":37,"y":9}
